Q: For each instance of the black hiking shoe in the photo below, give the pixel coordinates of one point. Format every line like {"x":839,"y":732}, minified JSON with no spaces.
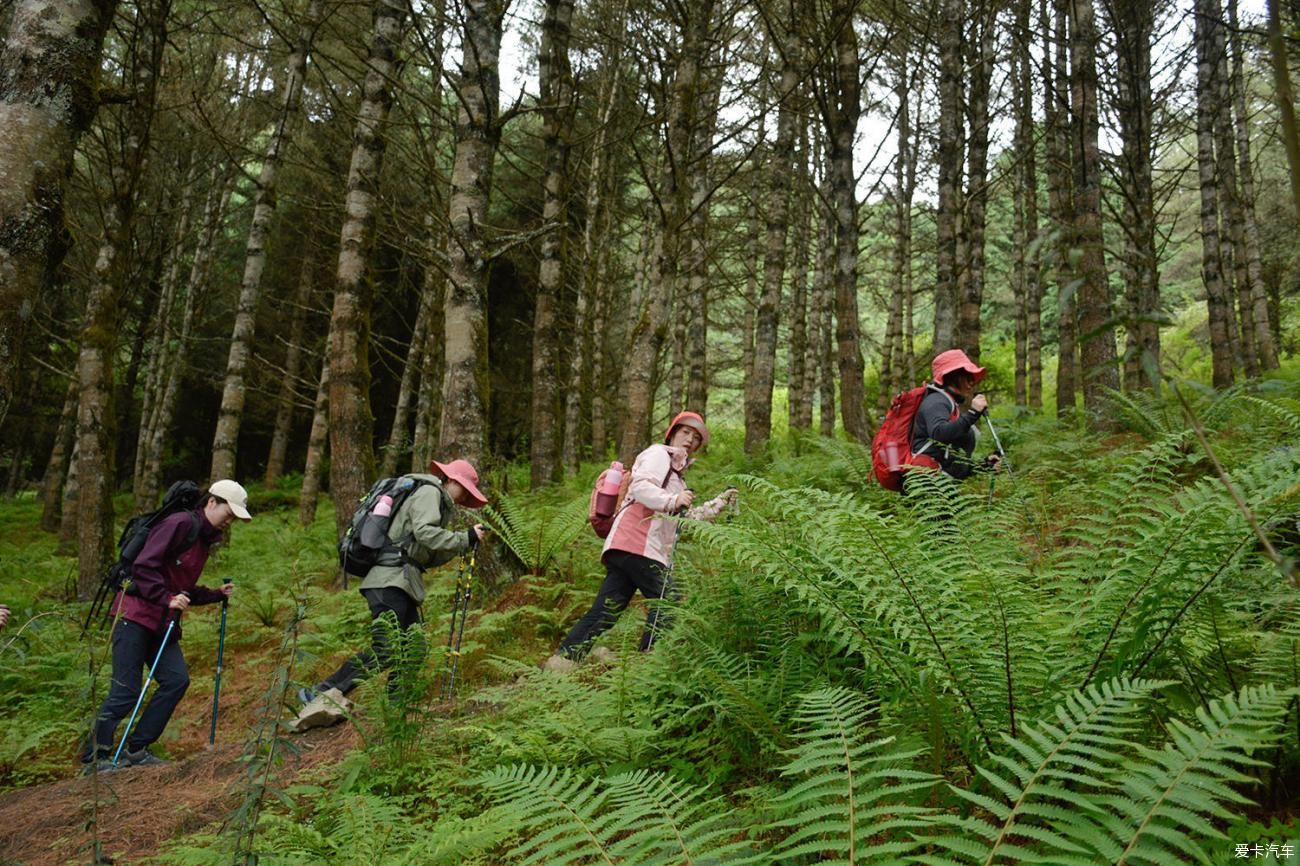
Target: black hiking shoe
{"x":142,"y":758}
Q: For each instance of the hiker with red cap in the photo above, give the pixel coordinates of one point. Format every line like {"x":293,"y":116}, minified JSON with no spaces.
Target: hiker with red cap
{"x":638,"y":552}
{"x":943,"y":433}
{"x":419,"y":528}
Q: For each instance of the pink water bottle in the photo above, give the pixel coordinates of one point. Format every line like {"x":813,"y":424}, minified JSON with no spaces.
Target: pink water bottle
{"x":384,"y":507}
{"x":607,"y":494}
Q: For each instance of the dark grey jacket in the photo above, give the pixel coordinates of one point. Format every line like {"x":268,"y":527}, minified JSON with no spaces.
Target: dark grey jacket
{"x":943,"y":432}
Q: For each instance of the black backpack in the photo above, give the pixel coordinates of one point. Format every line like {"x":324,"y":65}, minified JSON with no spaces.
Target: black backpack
{"x":181,"y":496}
{"x":366,"y":542}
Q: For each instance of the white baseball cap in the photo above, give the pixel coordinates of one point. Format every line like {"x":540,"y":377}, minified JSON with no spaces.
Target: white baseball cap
{"x":234,"y":494}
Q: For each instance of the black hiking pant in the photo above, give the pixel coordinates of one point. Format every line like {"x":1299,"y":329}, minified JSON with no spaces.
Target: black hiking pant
{"x":390,"y":608}
{"x":134,"y":648}
{"x":625,"y":574}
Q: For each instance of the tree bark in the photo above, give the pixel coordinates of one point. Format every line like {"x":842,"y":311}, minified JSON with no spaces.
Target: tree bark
{"x":892,"y":361}
{"x":651,"y":329}
{"x":1060,"y":195}
{"x":465,"y":379}
{"x":317,"y":442}
{"x":351,"y":424}
{"x":225,"y":441}
{"x":803,"y":376}
{"x":1285,"y":96}
{"x":758,"y":389}
{"x":49,"y":68}
{"x":952,"y":136}
{"x":428,"y":402}
{"x":287,"y":400}
{"x":1207,"y":72}
{"x":975,"y":200}
{"x":179,"y":345}
{"x":1265,"y":348}
{"x":56,"y":469}
{"x":824,"y":290}
{"x":1096,"y":324}
{"x":695,"y":263}
{"x":555,"y":84}
{"x":96,"y":421}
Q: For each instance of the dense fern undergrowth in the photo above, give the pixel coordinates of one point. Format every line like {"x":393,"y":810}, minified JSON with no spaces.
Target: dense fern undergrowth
{"x":1095,"y":660}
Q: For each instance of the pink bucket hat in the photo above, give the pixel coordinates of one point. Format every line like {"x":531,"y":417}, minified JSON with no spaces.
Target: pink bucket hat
{"x":954,"y":359}
{"x":692,"y":420}
{"x":463,"y":473}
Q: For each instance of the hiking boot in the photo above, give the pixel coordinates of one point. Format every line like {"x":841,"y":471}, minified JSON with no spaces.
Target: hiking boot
{"x":327,"y":708}
{"x":142,"y":758}
{"x":603,"y":656}
{"x":559,"y":664}
{"x":103,"y":765}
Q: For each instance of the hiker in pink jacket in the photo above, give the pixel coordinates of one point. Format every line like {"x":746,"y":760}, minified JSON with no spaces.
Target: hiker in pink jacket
{"x":638,"y":552}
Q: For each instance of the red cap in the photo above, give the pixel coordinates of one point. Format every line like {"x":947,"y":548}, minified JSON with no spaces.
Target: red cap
{"x":463,"y":473}
{"x":692,"y":420}
{"x":951,"y":360}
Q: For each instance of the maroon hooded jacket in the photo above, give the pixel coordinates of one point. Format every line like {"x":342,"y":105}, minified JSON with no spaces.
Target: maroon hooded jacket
{"x":164,"y":570}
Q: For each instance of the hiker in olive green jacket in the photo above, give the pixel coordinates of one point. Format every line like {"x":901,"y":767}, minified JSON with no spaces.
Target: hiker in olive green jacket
{"x":420,"y":528}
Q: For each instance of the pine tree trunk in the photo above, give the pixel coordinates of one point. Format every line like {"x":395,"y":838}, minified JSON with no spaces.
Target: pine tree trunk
{"x":428,"y":400}
{"x":780,"y":171}
{"x":70,"y":512}
{"x":225,"y":441}
{"x":96,"y":419}
{"x":976,"y":198}
{"x":1097,"y":349}
{"x":399,"y":436}
{"x":824,"y":290}
{"x":465,"y":378}
{"x":588,"y":350}
{"x":49,"y":66}
{"x":56,"y":469}
{"x":146,"y":495}
{"x":842,"y":125}
{"x":161,"y":333}
{"x":317,"y":442}
{"x":287,"y":400}
{"x":1134,"y":26}
{"x":651,"y":329}
{"x":1060,"y":179}
{"x":695,"y":264}
{"x":555,"y":82}
{"x":1285,"y":96}
{"x":952,"y":136}
{"x":802,"y":376}
{"x":1232,"y":262}
{"x":1207,"y":72}
{"x":892,"y":363}
{"x":1265,"y":348}
{"x":351,"y":424}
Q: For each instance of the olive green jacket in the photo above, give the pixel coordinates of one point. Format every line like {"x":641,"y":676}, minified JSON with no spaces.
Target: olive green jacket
{"x":420,"y":528}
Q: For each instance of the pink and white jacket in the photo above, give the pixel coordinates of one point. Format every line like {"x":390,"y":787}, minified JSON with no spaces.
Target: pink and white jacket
{"x":640,"y":526}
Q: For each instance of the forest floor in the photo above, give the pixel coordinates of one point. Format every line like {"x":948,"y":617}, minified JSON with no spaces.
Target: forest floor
{"x":141,"y":808}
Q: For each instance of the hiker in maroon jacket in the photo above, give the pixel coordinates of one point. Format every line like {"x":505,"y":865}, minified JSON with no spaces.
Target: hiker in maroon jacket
{"x":164,"y":582}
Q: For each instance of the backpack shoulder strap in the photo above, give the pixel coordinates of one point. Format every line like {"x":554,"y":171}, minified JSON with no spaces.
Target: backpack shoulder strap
{"x":192,"y":535}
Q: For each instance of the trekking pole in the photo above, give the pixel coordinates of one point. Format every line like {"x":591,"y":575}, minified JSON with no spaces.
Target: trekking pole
{"x":460,"y":605}
{"x":221,"y":651}
{"x":668,"y":577}
{"x":998,"y":444}
{"x":171,"y":623}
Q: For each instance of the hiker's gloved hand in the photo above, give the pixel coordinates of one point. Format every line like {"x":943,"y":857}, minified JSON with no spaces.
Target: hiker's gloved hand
{"x":684,"y":499}
{"x":227,"y":589}
{"x":980,"y":403}
{"x":179,"y":602}
{"x":993,"y":462}
{"x":477,"y":533}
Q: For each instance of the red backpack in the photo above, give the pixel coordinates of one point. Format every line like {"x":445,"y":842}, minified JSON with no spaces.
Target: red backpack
{"x":891,"y":449}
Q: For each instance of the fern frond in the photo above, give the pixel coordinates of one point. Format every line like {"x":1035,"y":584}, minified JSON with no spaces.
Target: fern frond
{"x":853,"y":790}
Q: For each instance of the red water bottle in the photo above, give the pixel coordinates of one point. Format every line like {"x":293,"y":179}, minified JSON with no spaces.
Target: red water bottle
{"x":607,"y":493}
